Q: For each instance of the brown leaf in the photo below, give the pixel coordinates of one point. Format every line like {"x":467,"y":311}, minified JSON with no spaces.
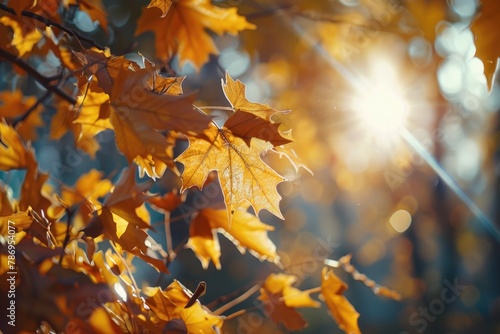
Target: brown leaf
{"x":168,"y":202}
{"x":248,"y":126}
{"x":487,"y":43}
{"x":133,"y":102}
{"x":235,"y":94}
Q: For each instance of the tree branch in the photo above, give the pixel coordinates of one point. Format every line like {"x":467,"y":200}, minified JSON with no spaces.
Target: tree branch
{"x":50,"y":23}
{"x":45,"y":82}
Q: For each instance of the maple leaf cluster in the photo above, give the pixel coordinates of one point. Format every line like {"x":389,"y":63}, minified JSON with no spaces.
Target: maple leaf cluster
{"x":83,"y":239}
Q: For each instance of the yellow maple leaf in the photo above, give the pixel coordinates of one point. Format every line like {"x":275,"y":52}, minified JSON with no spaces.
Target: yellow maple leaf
{"x":235,"y":94}
{"x":281,"y":299}
{"x":332,"y":290}
{"x":487,"y":38}
{"x":242,"y":173}
{"x":182,"y":31}
{"x":246,"y":232}
{"x":282,"y":284}
{"x":170,"y":305}
{"x":250,"y":119}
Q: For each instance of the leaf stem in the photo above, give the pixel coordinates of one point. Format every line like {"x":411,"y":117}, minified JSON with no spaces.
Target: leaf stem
{"x":216,"y":108}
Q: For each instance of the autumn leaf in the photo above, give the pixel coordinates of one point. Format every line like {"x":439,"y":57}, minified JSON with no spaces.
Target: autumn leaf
{"x":20,"y":5}
{"x":487,"y":39}
{"x":21,"y":221}
{"x":160,"y":84}
{"x":133,"y":102}
{"x":15,"y":106}
{"x":182,"y":31}
{"x":123,"y":219}
{"x":13,"y":153}
{"x":94,"y":8}
{"x":24,"y":36}
{"x":242,"y":173}
{"x":282,"y":284}
{"x":427,"y":15}
{"x":85,"y":193}
{"x":246,"y":232}
{"x":332,"y":290}
{"x":167,"y":202}
{"x":148,"y":149}
{"x":280,"y":300}
{"x":169,"y":305}
{"x":164,"y":5}
{"x":104,"y":66}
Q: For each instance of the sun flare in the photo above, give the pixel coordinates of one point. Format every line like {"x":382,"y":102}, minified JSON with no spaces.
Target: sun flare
{"x":381,"y":110}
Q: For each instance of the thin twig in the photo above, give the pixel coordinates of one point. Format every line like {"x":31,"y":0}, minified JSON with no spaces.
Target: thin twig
{"x":238,"y":300}
{"x":50,"y":23}
{"x":69,"y":212}
{"x":45,"y":82}
{"x":31,"y":109}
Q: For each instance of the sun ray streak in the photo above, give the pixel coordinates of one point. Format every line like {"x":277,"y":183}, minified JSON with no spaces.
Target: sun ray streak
{"x":450,"y":182}
{"x":359,"y":84}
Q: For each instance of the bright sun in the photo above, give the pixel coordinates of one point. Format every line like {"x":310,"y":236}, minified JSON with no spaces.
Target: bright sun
{"x":381,"y":110}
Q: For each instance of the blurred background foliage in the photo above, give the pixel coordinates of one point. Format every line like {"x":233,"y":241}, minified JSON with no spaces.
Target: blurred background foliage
{"x":369,"y":194}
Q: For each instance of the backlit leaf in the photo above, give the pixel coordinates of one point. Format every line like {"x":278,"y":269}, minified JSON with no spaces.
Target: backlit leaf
{"x":242,"y":173}
{"x":246,"y":232}
{"x":182,"y":31}
{"x":332,"y":290}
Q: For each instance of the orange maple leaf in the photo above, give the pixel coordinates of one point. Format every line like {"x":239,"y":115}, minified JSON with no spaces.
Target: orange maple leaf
{"x":136,"y":112}
{"x":242,"y":174}
{"x":182,"y":31}
{"x":13,"y":153}
{"x":246,"y":232}
{"x":332,"y":290}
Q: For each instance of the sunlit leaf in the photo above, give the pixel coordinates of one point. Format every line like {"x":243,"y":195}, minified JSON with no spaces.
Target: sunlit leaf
{"x":246,"y":232}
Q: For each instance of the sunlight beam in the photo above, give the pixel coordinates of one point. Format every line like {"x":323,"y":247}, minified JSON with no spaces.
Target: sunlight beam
{"x":360,"y":85}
